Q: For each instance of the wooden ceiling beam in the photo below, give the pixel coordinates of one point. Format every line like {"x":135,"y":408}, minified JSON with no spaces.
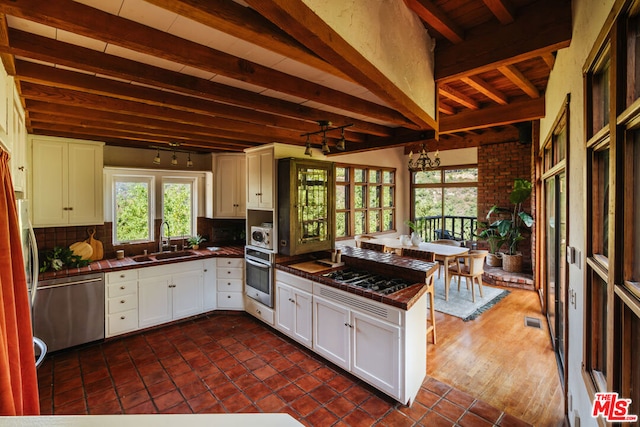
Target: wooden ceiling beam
{"x":446,"y":108}
{"x":114,"y":133}
{"x":485,"y":88}
{"x":502,"y":10}
{"x":31,"y":91}
{"x":80,"y":19}
{"x":436,"y":19}
{"x":302,"y":23}
{"x":549,"y":58}
{"x":468,"y":140}
{"x":491,"y":45}
{"x":458,"y":97}
{"x":517,"y":78}
{"x":47,"y":50}
{"x":244,"y":23}
{"x":403,"y":137}
{"x":533,"y":109}
{"x":7,"y":59}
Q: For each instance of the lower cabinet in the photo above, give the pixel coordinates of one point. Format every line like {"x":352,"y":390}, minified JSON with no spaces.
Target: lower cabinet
{"x":229,"y":279}
{"x":169,"y":292}
{"x":365,"y":346}
{"x":295,"y":314}
{"x":258,"y":310}
{"x":210,"y":285}
{"x":121,"y":302}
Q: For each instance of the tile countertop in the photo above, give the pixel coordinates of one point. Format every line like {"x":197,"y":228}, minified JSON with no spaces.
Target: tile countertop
{"x":385,"y":264}
{"x":127,"y":263}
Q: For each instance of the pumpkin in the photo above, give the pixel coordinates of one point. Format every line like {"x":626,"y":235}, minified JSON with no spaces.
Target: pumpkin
{"x":82,"y":249}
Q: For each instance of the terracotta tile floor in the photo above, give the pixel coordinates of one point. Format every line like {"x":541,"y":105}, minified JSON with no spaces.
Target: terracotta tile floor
{"x":232,"y":363}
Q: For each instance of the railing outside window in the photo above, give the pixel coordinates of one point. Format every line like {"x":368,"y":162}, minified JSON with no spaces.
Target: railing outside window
{"x":455,"y":227}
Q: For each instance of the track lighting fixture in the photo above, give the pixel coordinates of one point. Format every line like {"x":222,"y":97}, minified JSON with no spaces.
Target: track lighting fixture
{"x":174,"y":157}
{"x":325,"y":126}
{"x":307,"y":150}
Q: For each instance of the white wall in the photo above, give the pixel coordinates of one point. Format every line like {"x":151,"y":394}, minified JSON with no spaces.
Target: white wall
{"x":566,"y":77}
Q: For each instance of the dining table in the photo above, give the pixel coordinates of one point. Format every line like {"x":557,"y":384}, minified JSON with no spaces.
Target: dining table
{"x":443,"y":253}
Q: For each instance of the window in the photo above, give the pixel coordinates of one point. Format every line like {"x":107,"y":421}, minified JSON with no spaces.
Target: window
{"x":132,"y":209}
{"x":445,"y":202}
{"x":365,"y":200}
{"x":177,"y":206}
{"x":612,"y":311}
{"x":138,"y":199}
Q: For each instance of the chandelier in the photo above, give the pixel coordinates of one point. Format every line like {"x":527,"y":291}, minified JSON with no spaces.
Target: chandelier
{"x":325,"y":126}
{"x":423,"y":162}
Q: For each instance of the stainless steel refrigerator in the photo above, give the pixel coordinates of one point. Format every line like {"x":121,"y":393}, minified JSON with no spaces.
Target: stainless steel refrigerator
{"x":31,"y":266}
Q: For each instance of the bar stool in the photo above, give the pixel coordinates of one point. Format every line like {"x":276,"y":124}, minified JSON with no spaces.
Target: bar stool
{"x":429,"y":280}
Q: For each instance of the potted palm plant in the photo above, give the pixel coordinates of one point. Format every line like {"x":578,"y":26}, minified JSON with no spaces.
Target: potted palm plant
{"x":513,"y":224}
{"x":490,"y":234}
{"x":195,"y":241}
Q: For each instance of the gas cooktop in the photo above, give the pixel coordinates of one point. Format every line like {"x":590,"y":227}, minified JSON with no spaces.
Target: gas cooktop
{"x":368,"y":280}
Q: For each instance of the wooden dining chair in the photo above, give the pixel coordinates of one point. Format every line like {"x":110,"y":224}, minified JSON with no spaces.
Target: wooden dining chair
{"x":471,"y":267}
{"x":448,"y":242}
{"x":365,"y":244}
{"x":429,"y":280}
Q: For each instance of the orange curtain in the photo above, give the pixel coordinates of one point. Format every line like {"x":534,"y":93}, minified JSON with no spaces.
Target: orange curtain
{"x":18,"y":378}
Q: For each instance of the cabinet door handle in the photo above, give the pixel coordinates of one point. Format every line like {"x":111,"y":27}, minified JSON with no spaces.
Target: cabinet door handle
{"x":205,"y":270}
{"x":122,"y":288}
{"x":21,"y":168}
{"x":346,"y":324}
{"x":228,"y":296}
{"x":122,"y":301}
{"x":258,"y":311}
{"x":122,"y":276}
{"x":123,"y":317}
{"x":291,"y":300}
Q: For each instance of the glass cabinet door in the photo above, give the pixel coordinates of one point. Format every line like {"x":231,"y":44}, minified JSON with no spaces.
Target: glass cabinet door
{"x":313,"y":204}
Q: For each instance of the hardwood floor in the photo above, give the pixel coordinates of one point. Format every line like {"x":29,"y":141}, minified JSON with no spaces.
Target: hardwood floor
{"x":500,"y":360}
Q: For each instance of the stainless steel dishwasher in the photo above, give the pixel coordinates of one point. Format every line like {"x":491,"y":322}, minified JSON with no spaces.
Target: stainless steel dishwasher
{"x":69,"y":311}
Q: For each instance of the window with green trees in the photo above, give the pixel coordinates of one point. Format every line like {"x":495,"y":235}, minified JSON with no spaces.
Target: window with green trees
{"x":365,"y":200}
{"x":132,"y":210}
{"x":445,"y":202}
{"x":134,"y":206}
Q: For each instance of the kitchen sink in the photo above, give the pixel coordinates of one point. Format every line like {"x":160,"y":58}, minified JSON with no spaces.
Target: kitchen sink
{"x":159,"y":256}
{"x":170,"y":255}
{"x":142,"y":258}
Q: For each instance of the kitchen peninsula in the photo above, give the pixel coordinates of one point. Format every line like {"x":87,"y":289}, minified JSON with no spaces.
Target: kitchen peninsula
{"x":376,"y":337}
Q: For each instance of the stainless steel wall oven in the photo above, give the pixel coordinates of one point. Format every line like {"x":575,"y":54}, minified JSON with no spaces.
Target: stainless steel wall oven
{"x":259,"y":275}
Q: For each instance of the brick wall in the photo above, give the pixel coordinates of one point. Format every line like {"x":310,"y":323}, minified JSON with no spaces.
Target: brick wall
{"x":498,"y":166}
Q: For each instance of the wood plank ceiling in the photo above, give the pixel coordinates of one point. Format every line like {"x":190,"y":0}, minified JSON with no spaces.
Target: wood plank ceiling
{"x":219,"y":75}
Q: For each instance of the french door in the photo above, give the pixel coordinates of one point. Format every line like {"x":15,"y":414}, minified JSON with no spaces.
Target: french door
{"x":555,"y":268}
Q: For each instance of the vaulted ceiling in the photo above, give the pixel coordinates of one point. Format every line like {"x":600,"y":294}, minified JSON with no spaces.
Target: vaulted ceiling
{"x":219,"y":75}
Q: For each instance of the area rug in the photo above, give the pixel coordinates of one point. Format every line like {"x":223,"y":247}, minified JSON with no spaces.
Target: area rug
{"x":460,"y":304}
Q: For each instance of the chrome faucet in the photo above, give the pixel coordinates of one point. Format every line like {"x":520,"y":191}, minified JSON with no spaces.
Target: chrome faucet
{"x":164,"y":243}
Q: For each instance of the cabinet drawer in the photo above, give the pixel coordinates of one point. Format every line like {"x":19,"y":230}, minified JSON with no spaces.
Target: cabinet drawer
{"x":124,"y":288}
{"x":232,"y":300}
{"x":229,"y":273}
{"x":258,"y":310}
{"x":230,"y":262}
{"x":122,"y":322}
{"x":122,"y":303}
{"x":121,"y":276}
{"x":229,"y":285}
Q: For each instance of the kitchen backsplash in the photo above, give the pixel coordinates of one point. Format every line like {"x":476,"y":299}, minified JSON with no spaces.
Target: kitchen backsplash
{"x":215,"y":231}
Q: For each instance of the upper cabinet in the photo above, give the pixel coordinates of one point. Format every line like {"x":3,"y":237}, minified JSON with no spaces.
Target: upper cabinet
{"x":231,"y":191}
{"x":260,"y":177}
{"x":67,"y":182}
{"x":18,"y":135}
{"x":306,"y":206}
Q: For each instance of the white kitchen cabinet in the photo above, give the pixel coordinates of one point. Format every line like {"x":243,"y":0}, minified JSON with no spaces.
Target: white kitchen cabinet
{"x":169,"y":292}
{"x":294,"y":309}
{"x":369,"y":346}
{"x":210,"y":285}
{"x":67,"y":182}
{"x":260,"y":179}
{"x":121,"y":302}
{"x":231,"y":191}
{"x":331,"y":336}
{"x":18,"y":136}
{"x":258,"y":310}
{"x":229,"y":279}
{"x":375,"y":352}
